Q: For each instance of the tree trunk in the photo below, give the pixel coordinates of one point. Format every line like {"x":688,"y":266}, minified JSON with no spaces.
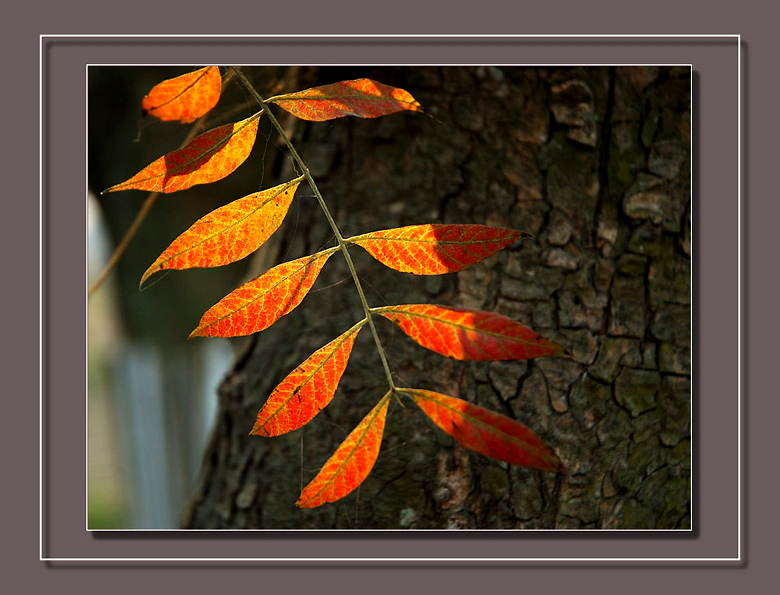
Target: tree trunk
{"x":595,"y":163}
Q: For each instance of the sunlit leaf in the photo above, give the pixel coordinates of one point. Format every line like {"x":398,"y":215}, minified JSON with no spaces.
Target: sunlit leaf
{"x":209,"y":157}
{"x":486,"y":432}
{"x":363,"y":98}
{"x":228,"y":233}
{"x":259,"y":303}
{"x":468,"y":334}
{"x":184,"y":98}
{"x":307,"y":389}
{"x":437,"y":248}
{"x":351,"y":463}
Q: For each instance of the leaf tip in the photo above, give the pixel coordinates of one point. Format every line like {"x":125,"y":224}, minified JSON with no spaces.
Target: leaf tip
{"x":556,"y":349}
{"x":561,"y":350}
{"x":149,"y":272}
{"x":555,"y":464}
{"x":259,"y":429}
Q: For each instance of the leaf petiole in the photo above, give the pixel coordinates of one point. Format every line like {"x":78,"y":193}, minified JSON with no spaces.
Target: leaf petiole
{"x":336,"y":231}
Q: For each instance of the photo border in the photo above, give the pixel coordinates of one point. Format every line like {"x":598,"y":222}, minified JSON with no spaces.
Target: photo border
{"x":479,"y":540}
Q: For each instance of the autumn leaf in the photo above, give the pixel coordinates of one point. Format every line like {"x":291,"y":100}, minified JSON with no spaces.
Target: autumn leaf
{"x":363,"y":98}
{"x":259,"y":303}
{"x":437,"y":248}
{"x":351,"y":463}
{"x":307,"y":389}
{"x":209,"y":157}
{"x":184,"y":98}
{"x":486,"y":432}
{"x":228,"y":233}
{"x":468,"y":334}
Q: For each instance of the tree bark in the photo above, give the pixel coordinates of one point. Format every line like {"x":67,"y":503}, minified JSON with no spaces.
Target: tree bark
{"x":595,"y":162}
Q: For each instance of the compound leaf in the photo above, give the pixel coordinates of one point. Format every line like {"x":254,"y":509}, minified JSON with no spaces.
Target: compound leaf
{"x":308,"y":389}
{"x":468,"y":334}
{"x":184,"y":98}
{"x":363,"y":98}
{"x":351,"y":463}
{"x":209,"y":157}
{"x":228,"y":233}
{"x":259,"y":303}
{"x":486,"y":432}
{"x":437,"y":248}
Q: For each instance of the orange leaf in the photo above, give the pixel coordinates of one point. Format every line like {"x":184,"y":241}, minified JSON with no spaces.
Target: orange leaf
{"x":209,"y":157}
{"x":184,"y":98}
{"x":438,"y":248}
{"x":351,"y":463}
{"x":486,"y":432}
{"x":307,"y":389}
{"x":363,"y":98}
{"x":228,"y":233}
{"x":468,"y":334}
{"x":259,"y":303}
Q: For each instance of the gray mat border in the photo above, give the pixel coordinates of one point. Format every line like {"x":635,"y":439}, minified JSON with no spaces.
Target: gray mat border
{"x":176,"y":540}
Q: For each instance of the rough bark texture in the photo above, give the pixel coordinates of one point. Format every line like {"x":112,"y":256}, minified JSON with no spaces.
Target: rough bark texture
{"x":595,"y":163}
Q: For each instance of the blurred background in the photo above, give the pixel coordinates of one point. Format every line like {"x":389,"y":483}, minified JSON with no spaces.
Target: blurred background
{"x":594,"y":161}
{"x":149,"y":412}
{"x":152,"y":393}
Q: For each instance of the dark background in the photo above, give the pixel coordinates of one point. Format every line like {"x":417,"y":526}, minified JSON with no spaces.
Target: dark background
{"x":594,"y":161}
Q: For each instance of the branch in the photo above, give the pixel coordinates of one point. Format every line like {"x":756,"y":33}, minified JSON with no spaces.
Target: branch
{"x":145,"y":208}
{"x":336,"y":231}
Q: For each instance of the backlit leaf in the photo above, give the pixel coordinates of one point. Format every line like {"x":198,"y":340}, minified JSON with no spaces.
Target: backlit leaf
{"x":436,"y":249}
{"x":468,"y":334}
{"x":351,"y":463}
{"x":307,"y":389}
{"x":228,"y":233}
{"x":209,"y":157}
{"x":486,"y":432}
{"x":184,"y":98}
{"x":363,"y":98}
{"x":259,"y":303}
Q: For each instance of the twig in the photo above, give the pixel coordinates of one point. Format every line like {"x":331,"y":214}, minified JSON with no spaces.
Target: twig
{"x":145,"y":208}
{"x":336,"y":231}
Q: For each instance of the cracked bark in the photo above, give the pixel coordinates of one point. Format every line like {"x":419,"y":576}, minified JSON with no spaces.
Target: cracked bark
{"x":595,"y":163}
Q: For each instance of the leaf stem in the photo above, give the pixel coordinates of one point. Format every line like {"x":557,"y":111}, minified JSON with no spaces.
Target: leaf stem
{"x":146,"y":207}
{"x":336,"y":231}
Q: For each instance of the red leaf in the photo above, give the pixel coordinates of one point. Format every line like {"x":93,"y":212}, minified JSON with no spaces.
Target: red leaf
{"x":184,"y":98}
{"x":228,"y":233}
{"x":468,"y":334}
{"x":438,"y":248}
{"x":256,"y":305}
{"x":351,"y":463}
{"x":363,"y":98}
{"x":209,"y":157}
{"x":308,"y":389}
{"x":486,"y":432}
